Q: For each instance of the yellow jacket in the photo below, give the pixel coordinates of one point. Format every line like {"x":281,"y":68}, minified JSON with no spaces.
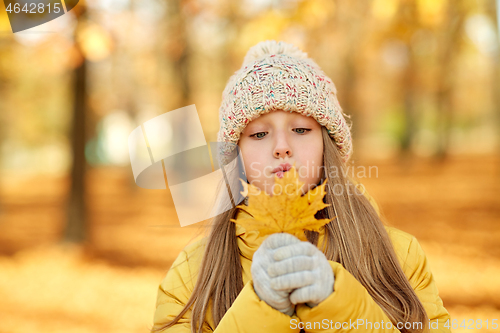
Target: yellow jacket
{"x":350,"y":308}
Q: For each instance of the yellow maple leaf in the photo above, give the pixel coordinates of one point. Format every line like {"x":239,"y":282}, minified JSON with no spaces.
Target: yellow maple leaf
{"x":286,"y":210}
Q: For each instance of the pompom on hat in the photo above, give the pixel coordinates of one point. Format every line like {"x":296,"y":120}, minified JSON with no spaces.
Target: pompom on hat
{"x":279,"y":76}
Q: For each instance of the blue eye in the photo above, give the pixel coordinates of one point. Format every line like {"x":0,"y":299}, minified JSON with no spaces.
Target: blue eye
{"x":257,"y":135}
{"x":261,"y":135}
{"x":302,"y":130}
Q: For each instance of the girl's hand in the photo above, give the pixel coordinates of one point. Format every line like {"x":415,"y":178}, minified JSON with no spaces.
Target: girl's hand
{"x":304,"y":268}
{"x":263,"y":260}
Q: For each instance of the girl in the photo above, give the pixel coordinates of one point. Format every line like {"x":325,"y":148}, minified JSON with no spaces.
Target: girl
{"x":356,"y":275}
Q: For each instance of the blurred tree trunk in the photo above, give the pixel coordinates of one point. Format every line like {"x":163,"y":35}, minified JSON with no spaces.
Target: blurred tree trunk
{"x":179,"y":52}
{"x":449,"y":47}
{"x":409,"y":99}
{"x":494,"y":12}
{"x":409,"y":80}
{"x":5,"y":51}
{"x":355,"y":16}
{"x":131,"y":101}
{"x":496,"y":71}
{"x":76,"y":226}
{"x":179,"y":49}
{"x":233,"y":26}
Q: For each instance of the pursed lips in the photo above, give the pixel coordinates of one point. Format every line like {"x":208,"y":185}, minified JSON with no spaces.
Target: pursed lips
{"x":281,"y":169}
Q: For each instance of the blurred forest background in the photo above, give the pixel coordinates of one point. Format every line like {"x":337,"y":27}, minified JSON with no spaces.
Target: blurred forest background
{"x":83,"y":248}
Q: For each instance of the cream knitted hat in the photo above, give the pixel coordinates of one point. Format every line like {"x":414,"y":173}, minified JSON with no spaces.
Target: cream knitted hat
{"x":277,"y":75}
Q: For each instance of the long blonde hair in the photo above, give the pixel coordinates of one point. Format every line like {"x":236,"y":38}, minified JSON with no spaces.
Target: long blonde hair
{"x":356,"y":238}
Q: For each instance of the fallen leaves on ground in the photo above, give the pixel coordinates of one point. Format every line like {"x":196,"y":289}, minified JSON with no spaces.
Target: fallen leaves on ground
{"x":57,"y":289}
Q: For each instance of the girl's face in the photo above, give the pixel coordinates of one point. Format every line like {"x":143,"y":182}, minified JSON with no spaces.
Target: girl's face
{"x":277,"y":140}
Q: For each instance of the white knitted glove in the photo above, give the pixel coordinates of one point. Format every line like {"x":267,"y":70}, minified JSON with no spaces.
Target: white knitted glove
{"x":304,"y":268}
{"x":261,"y":263}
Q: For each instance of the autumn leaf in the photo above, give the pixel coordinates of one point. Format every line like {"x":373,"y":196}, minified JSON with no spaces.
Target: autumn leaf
{"x":286,"y":210}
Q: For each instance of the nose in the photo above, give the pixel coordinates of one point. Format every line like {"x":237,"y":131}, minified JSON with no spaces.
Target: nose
{"x":282,"y":148}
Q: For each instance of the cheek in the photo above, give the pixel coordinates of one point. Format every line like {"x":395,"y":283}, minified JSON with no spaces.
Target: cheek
{"x":315,"y":158}
{"x":247,"y":156}
{"x":319,"y":156}
{"x":252,"y":163}
{"x":315,"y":150}
{"x":318,"y":148}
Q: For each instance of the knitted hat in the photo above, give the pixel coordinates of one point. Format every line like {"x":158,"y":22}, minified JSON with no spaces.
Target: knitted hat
{"x":277,"y":75}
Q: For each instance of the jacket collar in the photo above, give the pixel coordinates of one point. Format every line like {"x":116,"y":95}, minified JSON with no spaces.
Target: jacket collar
{"x":248,"y":241}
